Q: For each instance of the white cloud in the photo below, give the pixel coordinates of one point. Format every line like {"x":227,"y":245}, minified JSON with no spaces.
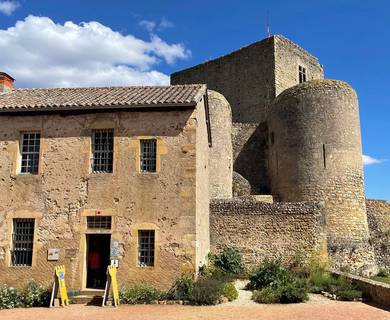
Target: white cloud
{"x":148,"y":25}
{"x":37,"y":52}
{"x":151,"y":26}
{"x":367,"y":160}
{"x":165,"y":24}
{"x":8,"y":7}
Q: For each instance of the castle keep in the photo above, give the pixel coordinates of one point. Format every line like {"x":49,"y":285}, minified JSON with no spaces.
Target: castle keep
{"x":253,"y":150}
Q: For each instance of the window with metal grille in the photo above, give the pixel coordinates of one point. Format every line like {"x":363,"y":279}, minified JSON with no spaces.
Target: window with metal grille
{"x":99,"y":222}
{"x":302,"y":74}
{"x":146,"y":248}
{"x":22,"y":242}
{"x":29,"y":151}
{"x":102,"y":150}
{"x":148,"y":155}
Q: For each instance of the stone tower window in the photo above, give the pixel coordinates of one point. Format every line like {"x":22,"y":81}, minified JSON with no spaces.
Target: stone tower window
{"x":29,"y":151}
{"x":102,"y":150}
{"x":22,"y":242}
{"x":146,"y":248}
{"x":302,"y":74}
{"x":148,"y":155}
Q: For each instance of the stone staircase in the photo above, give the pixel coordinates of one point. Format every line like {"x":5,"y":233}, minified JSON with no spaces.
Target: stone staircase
{"x":89,"y":297}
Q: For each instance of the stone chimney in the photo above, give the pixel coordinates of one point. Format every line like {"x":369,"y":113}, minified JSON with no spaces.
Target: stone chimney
{"x":6,"y":82}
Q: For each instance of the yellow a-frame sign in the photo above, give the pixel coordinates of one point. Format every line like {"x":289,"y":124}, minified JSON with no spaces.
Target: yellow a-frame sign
{"x":59,"y":285}
{"x":113,"y":284}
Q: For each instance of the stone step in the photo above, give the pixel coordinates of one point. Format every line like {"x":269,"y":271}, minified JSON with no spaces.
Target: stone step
{"x":92,"y":292}
{"x":88,"y":299}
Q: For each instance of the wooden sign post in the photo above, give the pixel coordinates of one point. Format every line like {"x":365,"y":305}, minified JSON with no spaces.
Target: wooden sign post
{"x":113,"y":285}
{"x":59,"y":285}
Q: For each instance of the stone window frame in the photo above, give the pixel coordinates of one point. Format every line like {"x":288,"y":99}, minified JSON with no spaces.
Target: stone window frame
{"x":134,"y":232}
{"x":302,"y":73}
{"x":17,"y":171}
{"x":135,"y":149}
{"x":93,"y":134}
{"x":22,"y":214}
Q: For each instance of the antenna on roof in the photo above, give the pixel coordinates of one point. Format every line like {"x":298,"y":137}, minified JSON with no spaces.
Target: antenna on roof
{"x":268,"y":26}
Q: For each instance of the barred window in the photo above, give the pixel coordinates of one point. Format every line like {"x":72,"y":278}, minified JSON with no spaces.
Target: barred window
{"x":22,"y":242}
{"x":302,"y":74}
{"x":29,"y":151}
{"x":99,"y":222}
{"x":146,"y":248}
{"x":102,"y":150}
{"x":148,"y":155}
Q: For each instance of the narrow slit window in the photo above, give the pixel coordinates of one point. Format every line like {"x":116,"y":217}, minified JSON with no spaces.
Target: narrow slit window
{"x":302,"y":74}
{"x":324,"y":155}
{"x":146,"y":248}
{"x":22,"y":242}
{"x":102,"y":150}
{"x":29,"y":152}
{"x":148,"y":155}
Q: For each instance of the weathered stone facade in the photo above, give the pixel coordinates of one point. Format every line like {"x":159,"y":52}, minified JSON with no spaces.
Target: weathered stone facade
{"x":378,"y":215}
{"x":173,"y":201}
{"x":261,"y":230}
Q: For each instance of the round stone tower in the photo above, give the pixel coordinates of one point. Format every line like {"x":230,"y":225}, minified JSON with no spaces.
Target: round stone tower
{"x":221,"y":152}
{"x":316,"y":155}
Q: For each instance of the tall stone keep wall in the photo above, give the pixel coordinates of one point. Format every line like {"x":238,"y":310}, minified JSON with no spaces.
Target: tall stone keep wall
{"x":288,"y":58}
{"x":262,"y":230}
{"x":316,"y":155}
{"x":245,"y":77}
{"x":378,"y":215}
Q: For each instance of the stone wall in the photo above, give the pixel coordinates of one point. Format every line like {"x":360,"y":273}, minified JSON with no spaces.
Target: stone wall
{"x":250,"y":154}
{"x":288,"y":58}
{"x":245,"y":77}
{"x":65,"y":192}
{"x":264,"y":230}
{"x":378,"y":215}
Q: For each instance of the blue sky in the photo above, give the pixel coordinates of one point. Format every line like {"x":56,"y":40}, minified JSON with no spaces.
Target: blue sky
{"x":144,"y":41}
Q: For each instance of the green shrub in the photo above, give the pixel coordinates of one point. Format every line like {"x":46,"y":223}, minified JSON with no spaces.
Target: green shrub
{"x":229,"y":291}
{"x":35,"y":295}
{"x":269,"y":273}
{"x":266,"y":295}
{"x":207,"y":291}
{"x":182,"y":288}
{"x":10,"y":298}
{"x":229,"y":260}
{"x":383,"y":273}
{"x":319,"y":281}
{"x":292,"y":292}
{"x":349,"y":294}
{"x":140,"y":294}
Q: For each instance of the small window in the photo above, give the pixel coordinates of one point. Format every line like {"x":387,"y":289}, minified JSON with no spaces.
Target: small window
{"x":29,"y":151}
{"x":22,"y":242}
{"x":146,"y":248}
{"x":302,"y":74}
{"x":102,"y":150}
{"x":148,"y":155}
{"x":99,"y":222}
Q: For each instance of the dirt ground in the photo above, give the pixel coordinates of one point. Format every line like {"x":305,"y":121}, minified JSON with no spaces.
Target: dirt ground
{"x":317,"y":308}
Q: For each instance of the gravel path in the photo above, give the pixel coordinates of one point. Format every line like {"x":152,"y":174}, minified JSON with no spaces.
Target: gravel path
{"x":318,"y":308}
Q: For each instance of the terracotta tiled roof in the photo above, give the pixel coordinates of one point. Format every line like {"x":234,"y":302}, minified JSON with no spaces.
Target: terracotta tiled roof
{"x":100,"y":98}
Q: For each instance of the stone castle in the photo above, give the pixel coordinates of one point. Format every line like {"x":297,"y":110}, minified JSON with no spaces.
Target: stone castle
{"x":253,"y":150}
